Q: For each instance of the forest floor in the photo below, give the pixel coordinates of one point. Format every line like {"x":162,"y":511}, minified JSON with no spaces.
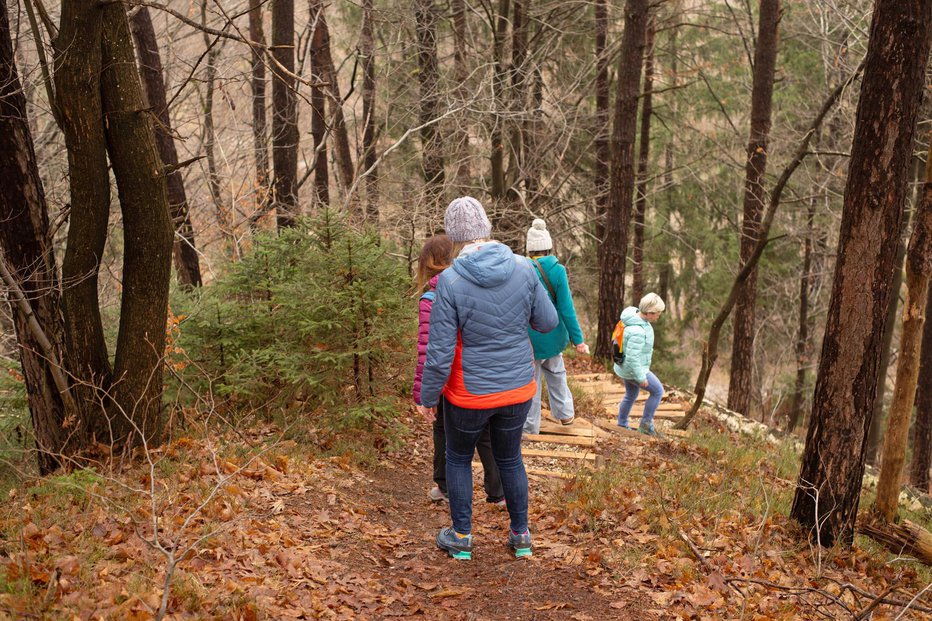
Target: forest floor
{"x":253,"y":526}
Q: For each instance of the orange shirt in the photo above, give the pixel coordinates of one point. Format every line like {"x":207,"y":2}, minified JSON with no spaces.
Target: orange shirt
{"x":456,"y":392}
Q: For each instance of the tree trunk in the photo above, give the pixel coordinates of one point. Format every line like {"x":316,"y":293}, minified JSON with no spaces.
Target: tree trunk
{"x":184,"y":251}
{"x":322,"y":59}
{"x":26,"y":248}
{"x":425,"y":19}
{"x":147,"y":231}
{"x":741,"y":385}
{"x":803,"y":357}
{"x":284,"y":115}
{"x":922,"y":434}
{"x":602,"y":130}
{"x":260,"y":138}
{"x":519,"y":73}
{"x":828,"y":491}
{"x":532,"y":133}
{"x":367,"y":51}
{"x":318,"y":115}
{"x":77,"y":85}
{"x":918,"y":271}
{"x":614,"y":247}
{"x":666,"y":271}
{"x":460,"y":135}
{"x":497,"y":157}
{"x":878,"y":418}
{"x":224,"y":212}
{"x":640,"y":203}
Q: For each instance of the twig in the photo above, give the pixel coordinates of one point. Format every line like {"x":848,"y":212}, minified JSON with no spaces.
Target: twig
{"x":874,"y":603}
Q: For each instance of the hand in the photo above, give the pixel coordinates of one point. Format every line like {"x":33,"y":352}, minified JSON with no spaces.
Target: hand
{"x":582,"y":348}
{"x":429,"y":414}
{"x":644,"y":384}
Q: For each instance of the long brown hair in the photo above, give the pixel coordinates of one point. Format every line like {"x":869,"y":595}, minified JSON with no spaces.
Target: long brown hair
{"x":436,"y":256}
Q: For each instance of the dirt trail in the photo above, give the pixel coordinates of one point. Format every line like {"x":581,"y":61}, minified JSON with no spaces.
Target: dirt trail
{"x":389,"y":564}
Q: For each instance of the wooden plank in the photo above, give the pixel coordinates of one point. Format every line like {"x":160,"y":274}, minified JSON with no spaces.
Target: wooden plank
{"x":578,"y":423}
{"x":564,"y":430}
{"x":634,"y":416}
{"x":550,"y":473}
{"x":589,"y":377}
{"x":529,"y":452}
{"x":640,"y":404}
{"x":552,"y":439}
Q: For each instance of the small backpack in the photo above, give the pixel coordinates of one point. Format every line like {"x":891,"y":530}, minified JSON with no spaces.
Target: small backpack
{"x":618,"y":336}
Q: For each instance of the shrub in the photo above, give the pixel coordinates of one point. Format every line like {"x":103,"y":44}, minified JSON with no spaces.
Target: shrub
{"x":314,"y":318}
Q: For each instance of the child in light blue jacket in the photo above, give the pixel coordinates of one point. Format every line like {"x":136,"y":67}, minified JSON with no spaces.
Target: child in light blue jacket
{"x":638,"y":348}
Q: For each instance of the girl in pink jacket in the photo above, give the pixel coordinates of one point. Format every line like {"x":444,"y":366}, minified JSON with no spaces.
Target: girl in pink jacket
{"x":436,"y":256}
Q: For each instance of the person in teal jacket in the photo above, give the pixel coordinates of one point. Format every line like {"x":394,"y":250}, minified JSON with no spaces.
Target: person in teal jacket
{"x":638,"y":348}
{"x":548,"y":347}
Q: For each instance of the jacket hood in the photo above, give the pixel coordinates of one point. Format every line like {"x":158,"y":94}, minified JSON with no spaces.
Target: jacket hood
{"x":486,"y":264}
{"x":630,"y":317}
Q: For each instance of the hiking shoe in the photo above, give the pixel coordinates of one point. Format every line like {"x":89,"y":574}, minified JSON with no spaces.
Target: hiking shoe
{"x":498,"y":501}
{"x":648,"y":430}
{"x":521,"y":544}
{"x":568,"y":421}
{"x":456,"y":546}
{"x":628,"y":427}
{"x":438,"y":495}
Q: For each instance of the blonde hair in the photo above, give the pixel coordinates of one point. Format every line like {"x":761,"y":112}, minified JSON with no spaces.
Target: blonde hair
{"x":651,"y":303}
{"x":436,"y":256}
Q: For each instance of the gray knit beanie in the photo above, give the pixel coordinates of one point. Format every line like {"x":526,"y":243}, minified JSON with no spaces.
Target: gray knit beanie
{"x":538,"y":238}
{"x":465,"y":220}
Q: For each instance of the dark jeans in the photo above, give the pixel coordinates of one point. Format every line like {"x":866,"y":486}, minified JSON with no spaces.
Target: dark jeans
{"x":463,"y":427}
{"x":491,"y":479}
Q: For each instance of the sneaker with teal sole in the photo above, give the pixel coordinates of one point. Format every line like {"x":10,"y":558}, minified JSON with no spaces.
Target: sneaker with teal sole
{"x":521,"y":544}
{"x":648,"y":430}
{"x":458,"y":547}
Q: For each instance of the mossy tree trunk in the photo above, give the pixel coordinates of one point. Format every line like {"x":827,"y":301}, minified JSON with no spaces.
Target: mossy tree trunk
{"x":147,"y":233}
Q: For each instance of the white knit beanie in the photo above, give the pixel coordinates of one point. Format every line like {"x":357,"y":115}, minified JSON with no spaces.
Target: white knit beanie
{"x":538,"y":238}
{"x":465,"y":220}
{"x":651,"y":303}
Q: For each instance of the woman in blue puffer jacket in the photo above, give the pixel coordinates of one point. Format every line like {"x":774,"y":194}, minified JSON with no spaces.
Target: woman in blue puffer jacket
{"x":479,"y":357}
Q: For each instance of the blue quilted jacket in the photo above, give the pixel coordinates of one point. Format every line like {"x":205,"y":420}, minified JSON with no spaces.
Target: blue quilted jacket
{"x":478,"y":351}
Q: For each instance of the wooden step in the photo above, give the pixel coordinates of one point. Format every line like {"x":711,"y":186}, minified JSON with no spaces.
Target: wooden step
{"x":591,"y":377}
{"x":554,"y":439}
{"x":537,"y":472}
{"x":578,"y":423}
{"x":635,"y":418}
{"x":564,"y":430}
{"x":663,"y":405}
{"x":529,"y":452}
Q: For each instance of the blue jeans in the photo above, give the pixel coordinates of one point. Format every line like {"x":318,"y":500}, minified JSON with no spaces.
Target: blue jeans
{"x":463,"y":427}
{"x":561,"y":399}
{"x":631,"y":393}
